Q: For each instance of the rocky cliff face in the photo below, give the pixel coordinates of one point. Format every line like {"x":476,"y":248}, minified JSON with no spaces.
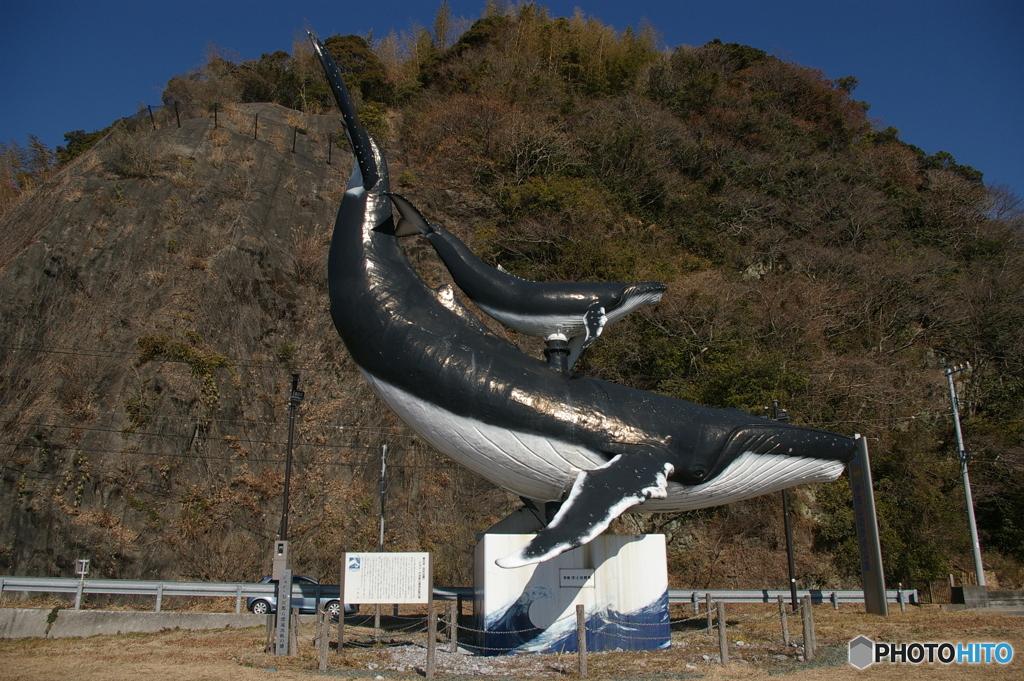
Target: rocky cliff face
{"x":158,"y":294}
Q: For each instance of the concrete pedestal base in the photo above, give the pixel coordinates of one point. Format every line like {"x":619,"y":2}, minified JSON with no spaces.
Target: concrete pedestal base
{"x":621,"y":580}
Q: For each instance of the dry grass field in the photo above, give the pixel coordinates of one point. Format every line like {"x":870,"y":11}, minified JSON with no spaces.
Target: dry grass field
{"x":755,"y":645}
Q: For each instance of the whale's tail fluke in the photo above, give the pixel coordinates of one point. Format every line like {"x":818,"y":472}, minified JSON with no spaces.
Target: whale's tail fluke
{"x":357,"y":135}
{"x":410,"y":219}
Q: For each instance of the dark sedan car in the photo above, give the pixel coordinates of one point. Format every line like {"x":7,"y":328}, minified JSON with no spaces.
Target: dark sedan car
{"x":307,"y":594}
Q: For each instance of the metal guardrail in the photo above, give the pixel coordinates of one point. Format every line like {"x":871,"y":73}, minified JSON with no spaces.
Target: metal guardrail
{"x":159,"y":589}
{"x":242,"y":590}
{"x":772,"y":595}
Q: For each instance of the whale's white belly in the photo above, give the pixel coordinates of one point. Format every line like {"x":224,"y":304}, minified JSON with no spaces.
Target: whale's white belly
{"x":544,"y":469}
{"x":531,"y":465}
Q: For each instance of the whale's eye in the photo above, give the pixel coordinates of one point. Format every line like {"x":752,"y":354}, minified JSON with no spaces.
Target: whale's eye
{"x":695,"y":475}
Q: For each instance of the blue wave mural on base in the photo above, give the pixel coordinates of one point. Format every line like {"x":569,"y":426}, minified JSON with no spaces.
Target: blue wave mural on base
{"x":512,"y":631}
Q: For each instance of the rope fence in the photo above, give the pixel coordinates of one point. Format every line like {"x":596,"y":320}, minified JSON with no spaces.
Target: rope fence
{"x":433,"y":623}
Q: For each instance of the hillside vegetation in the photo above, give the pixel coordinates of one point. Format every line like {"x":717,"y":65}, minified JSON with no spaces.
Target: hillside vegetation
{"x":162,"y":285}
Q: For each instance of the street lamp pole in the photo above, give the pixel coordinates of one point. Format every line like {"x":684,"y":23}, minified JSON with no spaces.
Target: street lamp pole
{"x":962,"y":455}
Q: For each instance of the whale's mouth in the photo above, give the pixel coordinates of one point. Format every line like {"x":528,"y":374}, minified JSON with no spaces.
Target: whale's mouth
{"x":749,"y":475}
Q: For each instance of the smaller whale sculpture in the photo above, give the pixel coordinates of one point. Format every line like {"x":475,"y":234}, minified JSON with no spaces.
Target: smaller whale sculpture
{"x":572,"y":312}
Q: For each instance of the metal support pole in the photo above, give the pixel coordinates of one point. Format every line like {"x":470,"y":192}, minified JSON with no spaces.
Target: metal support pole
{"x":778,"y":414}
{"x":557,"y":352}
{"x":866,"y":519}
{"x":962,"y":454}
{"x":383,"y":472}
{"x":82,"y":568}
{"x":341,"y":597}
{"x":789,"y":549}
{"x":295,"y":134}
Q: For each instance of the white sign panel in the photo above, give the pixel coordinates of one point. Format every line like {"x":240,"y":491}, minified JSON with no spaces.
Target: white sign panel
{"x":387,"y":578}
{"x":579,"y":579}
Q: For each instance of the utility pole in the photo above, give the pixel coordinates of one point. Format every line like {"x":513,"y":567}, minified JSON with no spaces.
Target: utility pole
{"x":293,"y":402}
{"x":778,"y":414}
{"x":962,"y":455}
{"x":282,"y":574}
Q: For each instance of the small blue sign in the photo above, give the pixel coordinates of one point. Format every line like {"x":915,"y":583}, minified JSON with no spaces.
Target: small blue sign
{"x":353,"y":563}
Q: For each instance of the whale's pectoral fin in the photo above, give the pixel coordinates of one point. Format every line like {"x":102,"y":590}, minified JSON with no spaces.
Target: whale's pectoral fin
{"x":597,"y":498}
{"x":594,"y":321}
{"x":410,"y":220}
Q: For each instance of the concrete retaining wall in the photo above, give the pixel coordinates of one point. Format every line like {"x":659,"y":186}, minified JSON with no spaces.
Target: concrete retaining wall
{"x":26,"y":622}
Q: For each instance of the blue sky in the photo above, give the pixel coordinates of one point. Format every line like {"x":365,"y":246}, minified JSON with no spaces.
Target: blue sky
{"x":947,"y":73}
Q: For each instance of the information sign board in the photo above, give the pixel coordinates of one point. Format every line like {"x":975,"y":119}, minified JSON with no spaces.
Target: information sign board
{"x":369,"y":578}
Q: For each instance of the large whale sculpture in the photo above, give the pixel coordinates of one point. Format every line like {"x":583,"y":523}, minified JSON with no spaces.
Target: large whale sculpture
{"x":573,"y":312}
{"x":539,"y":432}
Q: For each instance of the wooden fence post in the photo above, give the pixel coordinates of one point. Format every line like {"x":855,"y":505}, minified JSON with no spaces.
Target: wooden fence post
{"x":293,"y":644}
{"x":581,"y":639}
{"x":723,"y":642}
{"x":431,"y":640}
{"x":785,"y":622}
{"x":270,"y":633}
{"x":324,"y":630}
{"x":453,"y":626}
{"x":707,"y":598}
{"x":807,"y":616}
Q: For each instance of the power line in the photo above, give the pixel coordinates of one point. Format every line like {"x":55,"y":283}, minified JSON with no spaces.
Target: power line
{"x":228,"y":438}
{"x":246,"y":459}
